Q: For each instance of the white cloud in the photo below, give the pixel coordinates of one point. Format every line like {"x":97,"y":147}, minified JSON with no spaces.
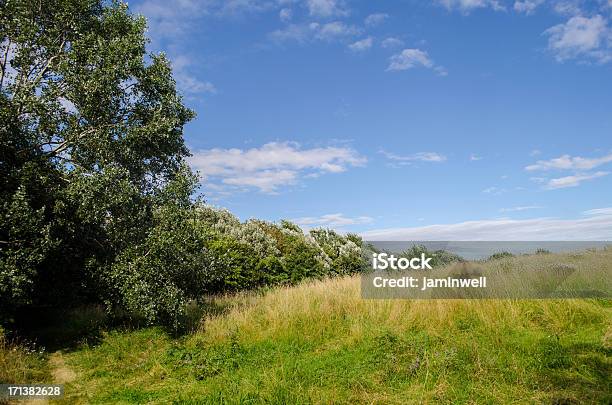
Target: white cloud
{"x":293,"y":32}
{"x":581,"y":37}
{"x":332,"y":220}
{"x":285,"y":14}
{"x":527,"y":6}
{"x":186,"y":81}
{"x":494,"y":190}
{"x":265,"y":180}
{"x":167,"y":19}
{"x":599,"y":211}
{"x":170,"y":19}
{"x":596,"y":227}
{"x":572,"y":181}
{"x":272,"y":165}
{"x":375,"y":19}
{"x":416,"y":157}
{"x":567,"y":162}
{"x":326,"y":8}
{"x":520,"y":208}
{"x":474,"y":157}
{"x":392,"y":42}
{"x":167,"y":23}
{"x":466,"y":6}
{"x":411,"y":58}
{"x":331,"y":31}
{"x":569,"y":7}
{"x":233,"y":7}
{"x":362,"y":45}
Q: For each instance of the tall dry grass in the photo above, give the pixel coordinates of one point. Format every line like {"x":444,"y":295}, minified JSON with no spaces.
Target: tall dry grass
{"x":324,"y":302}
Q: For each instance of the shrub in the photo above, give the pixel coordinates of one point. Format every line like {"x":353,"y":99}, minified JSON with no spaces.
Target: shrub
{"x":438,"y":257}
{"x":500,"y":255}
{"x":345,"y":256}
{"x":155,"y":279}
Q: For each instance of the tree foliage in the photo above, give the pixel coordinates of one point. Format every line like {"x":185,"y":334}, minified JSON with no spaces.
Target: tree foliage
{"x":95,"y":195}
{"x":90,"y":135}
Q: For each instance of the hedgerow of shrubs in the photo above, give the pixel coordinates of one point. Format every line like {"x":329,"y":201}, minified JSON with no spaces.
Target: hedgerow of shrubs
{"x":200,"y":250}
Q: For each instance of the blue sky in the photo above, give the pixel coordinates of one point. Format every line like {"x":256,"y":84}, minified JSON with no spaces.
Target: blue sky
{"x":450,"y":119}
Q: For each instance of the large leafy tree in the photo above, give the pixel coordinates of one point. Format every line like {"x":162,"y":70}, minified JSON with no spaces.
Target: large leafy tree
{"x":90,"y":138}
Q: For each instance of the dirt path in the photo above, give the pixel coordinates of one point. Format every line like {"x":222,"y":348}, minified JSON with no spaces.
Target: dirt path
{"x":61,"y":373}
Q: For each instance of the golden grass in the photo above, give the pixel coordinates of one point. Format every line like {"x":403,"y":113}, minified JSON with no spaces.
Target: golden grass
{"x":322,"y":302}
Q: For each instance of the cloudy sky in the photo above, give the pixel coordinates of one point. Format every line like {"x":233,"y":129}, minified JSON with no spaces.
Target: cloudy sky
{"x":447,"y":119}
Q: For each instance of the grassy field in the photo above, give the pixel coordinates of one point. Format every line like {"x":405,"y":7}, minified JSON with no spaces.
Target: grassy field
{"x":320,"y":342}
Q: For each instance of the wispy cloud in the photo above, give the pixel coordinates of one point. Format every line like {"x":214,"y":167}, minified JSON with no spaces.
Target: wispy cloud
{"x":474,"y":157}
{"x":168,"y":23}
{"x":272,"y":165}
{"x":494,"y":190}
{"x":568,"y":7}
{"x":334,"y":30}
{"x":572,"y":181}
{"x":186,"y":81}
{"x":331,"y":31}
{"x":587,"y":38}
{"x":285,"y":14}
{"x":520,"y":208}
{"x":391,"y":42}
{"x":375,"y":19}
{"x":361,"y":45}
{"x":170,"y":19}
{"x":527,"y":6}
{"x":327,"y":8}
{"x":567,"y":162}
{"x":597,"y":226}
{"x":411,"y":58}
{"x":332,"y":220}
{"x":466,"y":6}
{"x":599,"y":211}
{"x":579,"y":165}
{"x":416,"y":157}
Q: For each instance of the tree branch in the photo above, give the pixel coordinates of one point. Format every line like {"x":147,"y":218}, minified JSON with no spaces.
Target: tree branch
{"x":4,"y":62}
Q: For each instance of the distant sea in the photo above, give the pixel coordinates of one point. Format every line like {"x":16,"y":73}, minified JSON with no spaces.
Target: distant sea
{"x":476,"y":250}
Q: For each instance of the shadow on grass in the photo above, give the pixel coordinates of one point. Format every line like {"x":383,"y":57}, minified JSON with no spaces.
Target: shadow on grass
{"x":67,"y":329}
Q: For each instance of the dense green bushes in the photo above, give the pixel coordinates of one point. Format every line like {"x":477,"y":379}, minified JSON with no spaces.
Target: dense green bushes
{"x":438,"y":257}
{"x":198,"y":250}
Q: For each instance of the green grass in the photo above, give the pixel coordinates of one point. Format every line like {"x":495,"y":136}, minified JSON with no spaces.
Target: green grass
{"x":22,"y":362}
{"x":463,"y":360}
{"x":321,"y":343}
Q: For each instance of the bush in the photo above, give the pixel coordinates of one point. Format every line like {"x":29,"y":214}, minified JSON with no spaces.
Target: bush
{"x":438,"y":257}
{"x":155,"y":279}
{"x":500,"y":255}
{"x":194,"y":250}
{"x":343,"y":253}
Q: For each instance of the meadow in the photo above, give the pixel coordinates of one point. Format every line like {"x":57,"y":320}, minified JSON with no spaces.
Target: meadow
{"x":320,"y":342}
